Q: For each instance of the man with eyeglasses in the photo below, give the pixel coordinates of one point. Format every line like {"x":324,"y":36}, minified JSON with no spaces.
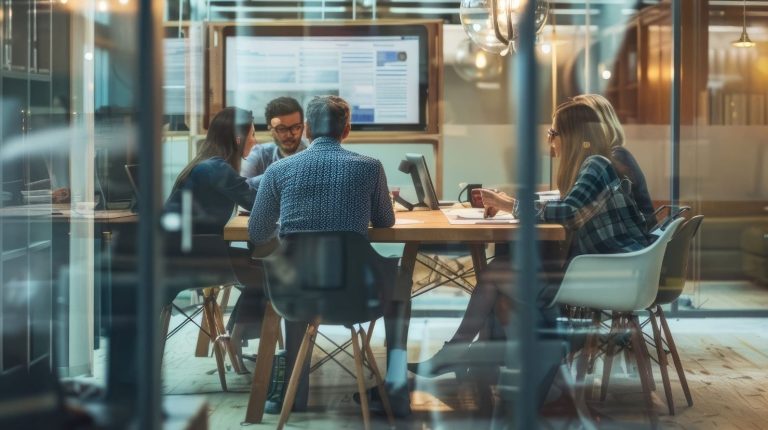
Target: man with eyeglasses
{"x":285,"y":120}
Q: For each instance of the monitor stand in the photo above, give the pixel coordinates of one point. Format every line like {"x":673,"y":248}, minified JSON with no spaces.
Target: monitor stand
{"x":421,"y":206}
{"x":405,"y":203}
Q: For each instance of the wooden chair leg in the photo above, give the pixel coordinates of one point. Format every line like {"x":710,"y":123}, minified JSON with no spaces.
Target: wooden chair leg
{"x":583,"y":362}
{"x":201,"y":347}
{"x":675,"y":356}
{"x":647,"y":356}
{"x":293,"y":384}
{"x":662,"y":356}
{"x":608,"y":360}
{"x":225,"y":293}
{"x":360,"y":379}
{"x":225,"y":339}
{"x":377,"y":374}
{"x":209,"y":312}
{"x":270,"y":326}
{"x":165,"y":321}
{"x":642,"y":367}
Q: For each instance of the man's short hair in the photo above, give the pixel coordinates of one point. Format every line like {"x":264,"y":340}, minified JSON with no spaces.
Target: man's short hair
{"x":327,"y":116}
{"x":282,"y":106}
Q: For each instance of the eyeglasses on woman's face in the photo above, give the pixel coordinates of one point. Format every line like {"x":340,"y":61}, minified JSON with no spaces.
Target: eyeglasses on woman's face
{"x":285,"y":131}
{"x":552,"y":133}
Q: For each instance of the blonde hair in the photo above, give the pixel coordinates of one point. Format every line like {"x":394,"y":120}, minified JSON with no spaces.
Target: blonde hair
{"x":581,"y":135}
{"x":607,"y":115}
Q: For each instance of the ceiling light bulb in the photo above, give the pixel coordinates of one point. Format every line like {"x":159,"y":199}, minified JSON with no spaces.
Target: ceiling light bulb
{"x":103,"y":6}
{"x":480,"y":61}
{"x":606,"y":74}
{"x":546,"y":48}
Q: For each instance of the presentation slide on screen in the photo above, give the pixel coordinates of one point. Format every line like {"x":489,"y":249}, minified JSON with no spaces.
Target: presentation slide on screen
{"x":377,"y":75}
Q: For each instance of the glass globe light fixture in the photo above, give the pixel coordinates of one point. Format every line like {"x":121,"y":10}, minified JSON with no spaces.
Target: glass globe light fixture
{"x":474,"y":64}
{"x":493,"y":24}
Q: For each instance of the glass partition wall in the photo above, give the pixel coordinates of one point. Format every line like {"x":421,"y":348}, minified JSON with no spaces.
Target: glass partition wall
{"x":125,"y":296}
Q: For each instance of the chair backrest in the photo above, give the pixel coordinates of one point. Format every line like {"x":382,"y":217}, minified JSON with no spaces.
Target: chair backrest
{"x":332,"y":277}
{"x":206,"y":264}
{"x":674,"y":267}
{"x":619,"y":282}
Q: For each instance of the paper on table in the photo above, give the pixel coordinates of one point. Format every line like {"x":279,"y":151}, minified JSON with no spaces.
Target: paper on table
{"x":454,"y":219}
{"x":402,"y":221}
{"x":478,"y":214}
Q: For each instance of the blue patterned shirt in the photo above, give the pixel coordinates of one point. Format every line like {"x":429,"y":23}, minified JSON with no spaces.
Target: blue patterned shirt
{"x":599,"y":216}
{"x":324,"y":188}
{"x":261,"y":157}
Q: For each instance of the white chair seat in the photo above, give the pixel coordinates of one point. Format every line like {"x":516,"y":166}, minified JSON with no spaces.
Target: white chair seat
{"x":619,"y":282}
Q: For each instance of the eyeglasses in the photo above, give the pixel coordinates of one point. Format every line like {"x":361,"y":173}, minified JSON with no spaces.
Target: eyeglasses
{"x":284,"y":131}
{"x":552,"y":133}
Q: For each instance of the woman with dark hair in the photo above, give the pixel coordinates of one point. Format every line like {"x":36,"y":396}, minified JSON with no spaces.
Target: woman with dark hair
{"x":212,"y":176}
{"x":217,"y":189}
{"x":599,"y":219}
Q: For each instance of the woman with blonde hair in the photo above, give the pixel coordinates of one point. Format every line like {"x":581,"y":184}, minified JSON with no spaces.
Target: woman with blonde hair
{"x":623,"y":160}
{"x":598,"y":216}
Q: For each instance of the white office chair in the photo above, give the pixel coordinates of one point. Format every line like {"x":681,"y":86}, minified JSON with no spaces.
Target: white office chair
{"x":622,"y":283}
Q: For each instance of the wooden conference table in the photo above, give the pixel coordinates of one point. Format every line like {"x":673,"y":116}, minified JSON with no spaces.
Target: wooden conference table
{"x":412,"y":229}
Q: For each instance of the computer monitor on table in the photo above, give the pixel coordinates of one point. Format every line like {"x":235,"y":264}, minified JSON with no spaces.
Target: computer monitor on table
{"x":416,"y":166}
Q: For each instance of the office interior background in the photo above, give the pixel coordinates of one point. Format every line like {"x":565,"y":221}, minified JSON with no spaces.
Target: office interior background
{"x":92,"y":86}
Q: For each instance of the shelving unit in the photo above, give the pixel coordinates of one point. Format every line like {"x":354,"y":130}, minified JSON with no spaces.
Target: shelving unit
{"x":641,"y":82}
{"x":26,"y":88}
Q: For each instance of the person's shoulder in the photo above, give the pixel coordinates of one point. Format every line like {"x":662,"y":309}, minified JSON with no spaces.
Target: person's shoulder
{"x":282,"y":164}
{"x":599,"y":166}
{"x":264,"y":147}
{"x":365,"y":159}
{"x":622,"y":154}
{"x":214,"y":166}
{"x":596,"y":161}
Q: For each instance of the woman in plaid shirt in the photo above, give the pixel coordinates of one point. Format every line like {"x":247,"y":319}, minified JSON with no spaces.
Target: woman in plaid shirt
{"x":596,"y":209}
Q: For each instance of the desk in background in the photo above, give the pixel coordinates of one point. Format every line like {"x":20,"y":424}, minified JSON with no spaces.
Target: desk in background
{"x":421,"y":227}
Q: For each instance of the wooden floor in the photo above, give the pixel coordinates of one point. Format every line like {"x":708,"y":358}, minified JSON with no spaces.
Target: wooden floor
{"x":727,"y":295}
{"x":725,"y":360}
{"x":726,"y":363}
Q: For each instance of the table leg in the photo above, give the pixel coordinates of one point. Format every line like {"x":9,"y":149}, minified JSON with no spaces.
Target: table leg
{"x":479,"y":260}
{"x":261,"y":374}
{"x":407,"y":265}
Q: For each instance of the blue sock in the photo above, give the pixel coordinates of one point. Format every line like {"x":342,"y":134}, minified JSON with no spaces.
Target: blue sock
{"x":397,"y":374}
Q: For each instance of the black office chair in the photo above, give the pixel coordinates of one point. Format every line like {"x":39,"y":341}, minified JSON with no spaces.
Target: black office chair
{"x":330,"y":278}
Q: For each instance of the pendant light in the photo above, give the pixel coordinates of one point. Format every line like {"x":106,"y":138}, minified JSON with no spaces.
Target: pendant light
{"x":744,"y":41}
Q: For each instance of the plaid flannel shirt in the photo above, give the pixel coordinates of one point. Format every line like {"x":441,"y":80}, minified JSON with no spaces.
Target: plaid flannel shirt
{"x":600,"y":216}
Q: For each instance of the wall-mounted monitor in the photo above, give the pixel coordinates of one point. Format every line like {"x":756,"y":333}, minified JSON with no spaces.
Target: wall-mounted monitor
{"x":381,"y":70}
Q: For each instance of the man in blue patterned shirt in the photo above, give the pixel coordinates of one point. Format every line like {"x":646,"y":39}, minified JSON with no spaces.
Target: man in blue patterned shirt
{"x":285,"y":120}
{"x":329,"y":188}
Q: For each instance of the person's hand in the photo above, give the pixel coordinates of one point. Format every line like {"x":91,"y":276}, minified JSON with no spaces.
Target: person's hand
{"x":60,"y":195}
{"x":494,"y":201}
